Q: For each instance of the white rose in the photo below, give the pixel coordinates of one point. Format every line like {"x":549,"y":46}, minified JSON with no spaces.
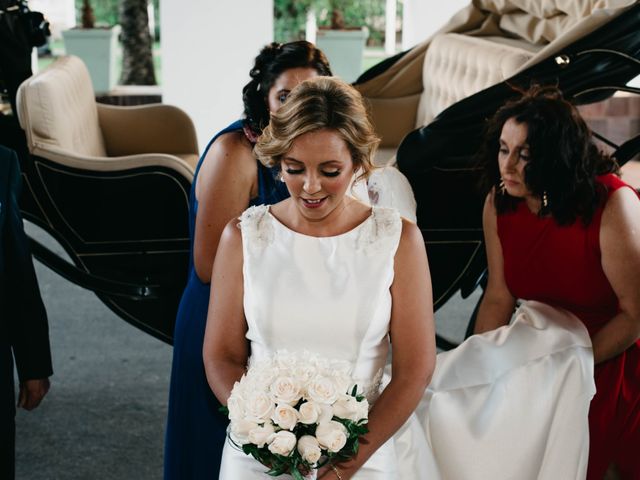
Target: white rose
{"x":304,"y":373}
{"x":322,"y":390}
{"x":262,"y":435}
{"x":363,"y":410}
{"x":326,"y":413}
{"x":240,"y":430}
{"x":283,"y":443}
{"x":341,"y":374}
{"x":285,"y":360}
{"x":260,"y":382}
{"x":258,"y":407}
{"x":346,"y":407}
{"x":309,"y":449}
{"x":236,"y":406}
{"x":309,"y":412}
{"x":331,"y":435}
{"x":285,"y":416}
{"x":286,"y":390}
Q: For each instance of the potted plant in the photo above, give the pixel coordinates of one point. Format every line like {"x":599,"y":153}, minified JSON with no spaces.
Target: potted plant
{"x":343,"y":44}
{"x":96,"y":46}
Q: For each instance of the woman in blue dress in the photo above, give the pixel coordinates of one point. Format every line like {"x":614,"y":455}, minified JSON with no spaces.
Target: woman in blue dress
{"x":228,"y":179}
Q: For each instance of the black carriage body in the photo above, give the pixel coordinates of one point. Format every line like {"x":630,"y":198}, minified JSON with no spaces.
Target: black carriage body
{"x":125,"y":231}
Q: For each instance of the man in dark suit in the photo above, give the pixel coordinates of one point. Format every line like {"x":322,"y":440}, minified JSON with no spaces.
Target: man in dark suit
{"x":15,"y":49}
{"x":24,"y":334}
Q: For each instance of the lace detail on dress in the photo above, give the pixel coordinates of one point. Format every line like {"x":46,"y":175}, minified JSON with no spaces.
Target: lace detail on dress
{"x":384,"y":229}
{"x":373,"y":388}
{"x":257,"y":229}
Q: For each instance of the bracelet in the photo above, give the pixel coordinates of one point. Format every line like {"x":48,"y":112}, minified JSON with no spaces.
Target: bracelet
{"x":337,"y":472}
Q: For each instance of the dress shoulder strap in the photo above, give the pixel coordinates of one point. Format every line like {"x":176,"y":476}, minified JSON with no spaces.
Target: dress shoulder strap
{"x":611,"y":182}
{"x":256,"y":226}
{"x":382,"y":232}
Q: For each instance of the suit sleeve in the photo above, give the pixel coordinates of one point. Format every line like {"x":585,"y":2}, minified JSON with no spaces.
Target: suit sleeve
{"x":26,"y":314}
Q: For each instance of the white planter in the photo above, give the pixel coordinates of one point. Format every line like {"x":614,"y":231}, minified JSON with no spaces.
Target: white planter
{"x":344,"y":49}
{"x":98,"y":48}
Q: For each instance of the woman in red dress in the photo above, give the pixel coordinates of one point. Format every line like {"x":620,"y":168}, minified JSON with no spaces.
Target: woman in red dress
{"x":561,"y":228}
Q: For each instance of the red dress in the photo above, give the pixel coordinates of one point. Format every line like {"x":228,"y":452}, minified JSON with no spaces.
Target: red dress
{"x":561,"y":266}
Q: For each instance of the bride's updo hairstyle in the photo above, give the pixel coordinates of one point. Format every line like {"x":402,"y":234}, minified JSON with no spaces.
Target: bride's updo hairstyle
{"x":316,"y":104}
{"x":272,"y":61}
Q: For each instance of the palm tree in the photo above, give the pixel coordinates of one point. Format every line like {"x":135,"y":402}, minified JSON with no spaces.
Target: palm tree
{"x":137,"y":55}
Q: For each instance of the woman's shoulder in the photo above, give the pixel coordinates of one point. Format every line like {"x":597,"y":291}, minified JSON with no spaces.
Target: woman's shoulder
{"x":256,"y":226}
{"x":617,"y":196}
{"x":388,"y":221}
{"x":611,"y":182}
{"x":253,"y":214}
{"x":621,"y":202}
{"x":230,"y":155}
{"x":232,"y":142}
{"x":383,"y":230}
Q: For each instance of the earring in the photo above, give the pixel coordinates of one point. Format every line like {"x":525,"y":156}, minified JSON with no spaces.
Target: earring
{"x":501,"y":186}
{"x":545,"y":199}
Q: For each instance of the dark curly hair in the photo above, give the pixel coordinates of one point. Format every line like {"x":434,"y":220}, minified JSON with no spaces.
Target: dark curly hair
{"x":564,"y":160}
{"x":272,"y":60}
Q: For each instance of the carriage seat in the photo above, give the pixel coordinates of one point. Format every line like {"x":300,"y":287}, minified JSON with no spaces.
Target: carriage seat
{"x":456,"y":66}
{"x":63,"y":123}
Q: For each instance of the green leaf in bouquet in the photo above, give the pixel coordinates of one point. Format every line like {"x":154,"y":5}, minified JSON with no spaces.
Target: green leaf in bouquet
{"x":355,"y":447}
{"x":297,"y":475}
{"x":280,"y":464}
{"x":301,"y":430}
{"x":359,"y":429}
{"x":224,"y":410}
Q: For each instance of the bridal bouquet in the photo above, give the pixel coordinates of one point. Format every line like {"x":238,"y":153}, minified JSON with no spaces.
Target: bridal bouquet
{"x":294,"y":413}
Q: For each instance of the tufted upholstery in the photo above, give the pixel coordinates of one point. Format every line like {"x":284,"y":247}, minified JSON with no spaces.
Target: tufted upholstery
{"x":63,"y":123}
{"x":485,"y":43}
{"x":457,"y":66}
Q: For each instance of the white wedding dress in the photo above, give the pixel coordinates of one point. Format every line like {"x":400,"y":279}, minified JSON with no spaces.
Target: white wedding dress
{"x":509,"y":404}
{"x":327,"y":295}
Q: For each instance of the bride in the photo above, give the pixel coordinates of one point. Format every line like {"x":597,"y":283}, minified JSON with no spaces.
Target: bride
{"x":325,"y":273}
{"x":321,"y":272}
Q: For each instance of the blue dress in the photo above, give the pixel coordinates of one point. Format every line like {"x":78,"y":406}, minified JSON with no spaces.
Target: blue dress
{"x":196,"y":430}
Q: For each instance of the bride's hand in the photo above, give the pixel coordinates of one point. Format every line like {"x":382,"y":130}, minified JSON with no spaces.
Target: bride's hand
{"x":336,"y":472}
{"x":308,"y":474}
{"x":325,"y":473}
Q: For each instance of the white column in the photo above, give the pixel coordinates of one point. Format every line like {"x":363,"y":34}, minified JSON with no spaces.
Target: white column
{"x":208,"y":48}
{"x":421,"y":18}
{"x":60,"y":13}
{"x":151,"y":13}
{"x":390,"y":27}
{"x":311,"y":26}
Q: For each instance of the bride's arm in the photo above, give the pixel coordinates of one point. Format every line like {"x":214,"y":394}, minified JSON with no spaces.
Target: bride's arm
{"x":414,"y":351}
{"x":225,"y":347}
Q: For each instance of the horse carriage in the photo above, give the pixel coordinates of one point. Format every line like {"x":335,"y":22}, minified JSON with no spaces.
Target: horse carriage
{"x":111,"y":184}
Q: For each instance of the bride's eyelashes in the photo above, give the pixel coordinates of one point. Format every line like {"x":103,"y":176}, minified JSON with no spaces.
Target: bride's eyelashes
{"x":292,"y":171}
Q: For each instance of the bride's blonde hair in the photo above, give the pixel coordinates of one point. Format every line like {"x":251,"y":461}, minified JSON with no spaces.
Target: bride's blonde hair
{"x":315,"y":104}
